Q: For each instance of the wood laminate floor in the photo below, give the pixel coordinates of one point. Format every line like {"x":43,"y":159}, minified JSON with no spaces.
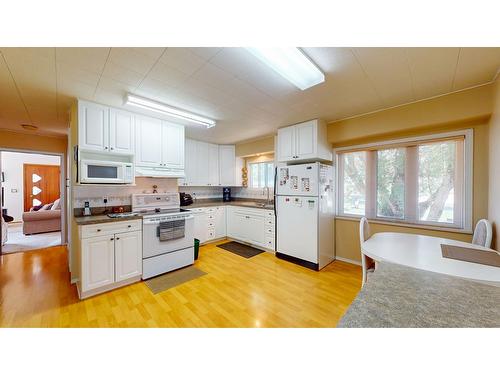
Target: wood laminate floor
{"x":262,"y":291}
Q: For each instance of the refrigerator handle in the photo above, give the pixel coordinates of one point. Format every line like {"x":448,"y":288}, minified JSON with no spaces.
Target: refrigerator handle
{"x":275,"y":191}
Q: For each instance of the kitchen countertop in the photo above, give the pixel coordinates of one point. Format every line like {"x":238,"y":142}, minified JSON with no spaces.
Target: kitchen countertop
{"x":399,"y":296}
{"x":200,"y":203}
{"x":102,"y":219}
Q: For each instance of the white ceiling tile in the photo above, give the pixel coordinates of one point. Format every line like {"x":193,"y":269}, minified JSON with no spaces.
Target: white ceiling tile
{"x":213,"y":76}
{"x":182,"y":59}
{"x":168,"y":75}
{"x":476,"y":66}
{"x":205,"y":52}
{"x":135,"y":59}
{"x":87,"y":59}
{"x":389,"y":72}
{"x":432,"y":70}
{"x":121,"y":74}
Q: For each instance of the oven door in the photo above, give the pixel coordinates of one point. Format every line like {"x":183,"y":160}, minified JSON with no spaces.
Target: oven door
{"x":151,"y":244}
{"x":96,"y":171}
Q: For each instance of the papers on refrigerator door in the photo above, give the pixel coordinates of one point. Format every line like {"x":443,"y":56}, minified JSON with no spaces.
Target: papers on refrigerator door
{"x":284,"y":176}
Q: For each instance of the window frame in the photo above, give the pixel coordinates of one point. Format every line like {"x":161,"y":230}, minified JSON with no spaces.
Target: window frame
{"x":464,"y":205}
{"x":250,"y":177}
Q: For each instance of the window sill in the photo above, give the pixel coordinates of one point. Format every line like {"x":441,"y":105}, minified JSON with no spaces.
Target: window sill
{"x":407,"y":225}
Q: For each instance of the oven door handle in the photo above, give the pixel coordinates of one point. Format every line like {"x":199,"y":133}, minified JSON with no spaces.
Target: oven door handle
{"x":154,"y":222}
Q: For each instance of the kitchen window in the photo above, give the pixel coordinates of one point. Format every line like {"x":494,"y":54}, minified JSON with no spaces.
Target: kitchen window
{"x":418,"y":181}
{"x":261,"y":175}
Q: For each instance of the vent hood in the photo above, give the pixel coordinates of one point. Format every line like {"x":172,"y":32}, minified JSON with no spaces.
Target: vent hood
{"x":159,"y":172}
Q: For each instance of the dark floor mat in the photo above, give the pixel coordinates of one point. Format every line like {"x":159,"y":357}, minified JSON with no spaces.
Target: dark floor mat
{"x":239,"y":249}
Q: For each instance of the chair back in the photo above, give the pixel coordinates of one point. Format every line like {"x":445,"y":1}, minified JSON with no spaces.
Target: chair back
{"x":483,"y":233}
{"x":364,"y":230}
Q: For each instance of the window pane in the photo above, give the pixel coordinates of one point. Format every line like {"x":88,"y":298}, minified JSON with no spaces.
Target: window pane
{"x":391,"y":183}
{"x":262,"y":175}
{"x":354,"y":183}
{"x":270,"y":175}
{"x":436,"y":178}
{"x":254,"y":175}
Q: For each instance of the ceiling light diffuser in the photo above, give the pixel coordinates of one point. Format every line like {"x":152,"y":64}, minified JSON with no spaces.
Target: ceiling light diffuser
{"x":292,"y":64}
{"x":155,"y":106}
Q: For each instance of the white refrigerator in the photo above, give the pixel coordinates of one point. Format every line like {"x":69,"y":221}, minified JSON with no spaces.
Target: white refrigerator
{"x":304,"y":206}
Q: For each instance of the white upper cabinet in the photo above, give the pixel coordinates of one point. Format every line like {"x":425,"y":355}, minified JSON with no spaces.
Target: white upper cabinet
{"x":121,"y":131}
{"x":304,"y":142}
{"x":227,"y":165}
{"x":190,"y":163}
{"x":202,"y":164}
{"x":149,"y":139}
{"x":213,"y":165}
{"x":93,"y":126}
{"x":172,"y":145}
{"x":286,"y":144}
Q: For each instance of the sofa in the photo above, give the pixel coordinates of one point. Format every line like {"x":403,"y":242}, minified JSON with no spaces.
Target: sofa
{"x":46,"y":219}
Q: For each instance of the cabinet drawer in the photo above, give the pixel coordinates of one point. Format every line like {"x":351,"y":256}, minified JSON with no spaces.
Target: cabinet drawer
{"x":93,"y":230}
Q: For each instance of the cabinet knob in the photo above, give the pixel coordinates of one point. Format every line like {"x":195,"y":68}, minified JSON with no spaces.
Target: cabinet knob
{"x":129,"y":226}
{"x":98,"y":230}
{"x":106,"y":147}
{"x":111,"y":239}
{"x":112,"y":148}
{"x":117,"y":238}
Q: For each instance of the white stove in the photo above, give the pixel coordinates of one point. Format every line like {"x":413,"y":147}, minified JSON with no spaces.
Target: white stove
{"x":167,"y":233}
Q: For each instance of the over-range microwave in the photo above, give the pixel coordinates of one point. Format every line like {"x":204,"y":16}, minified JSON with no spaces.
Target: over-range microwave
{"x":106,"y":172}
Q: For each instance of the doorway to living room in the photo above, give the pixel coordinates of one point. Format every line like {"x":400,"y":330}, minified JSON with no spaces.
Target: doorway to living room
{"x":30,"y":200}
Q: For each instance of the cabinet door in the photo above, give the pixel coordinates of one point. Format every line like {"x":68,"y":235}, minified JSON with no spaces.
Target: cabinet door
{"x":98,"y":262}
{"x":121,"y":131}
{"x":173,"y":145}
{"x":201,"y":227}
{"x":256,"y":229}
{"x":306,"y":142}
{"x":286,"y":144}
{"x":93,"y":126}
{"x":189,"y":163}
{"x":128,"y":255}
{"x":213,"y":165}
{"x":202,"y":164}
{"x":227,"y":165}
{"x":149,"y":142}
{"x":220,"y":222}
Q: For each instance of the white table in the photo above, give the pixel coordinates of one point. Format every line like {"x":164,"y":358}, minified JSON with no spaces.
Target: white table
{"x":424,"y":252}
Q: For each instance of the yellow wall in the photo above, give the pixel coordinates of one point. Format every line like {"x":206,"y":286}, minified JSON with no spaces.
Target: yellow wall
{"x":469,"y":109}
{"x":494,"y":167}
{"x":258,"y":146}
{"x":32,"y":142}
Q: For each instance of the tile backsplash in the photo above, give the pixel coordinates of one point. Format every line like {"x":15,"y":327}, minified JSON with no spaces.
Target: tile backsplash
{"x":120,"y":195}
{"x":206,"y":192}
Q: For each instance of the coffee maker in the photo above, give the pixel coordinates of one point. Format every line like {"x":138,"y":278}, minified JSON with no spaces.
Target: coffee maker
{"x":226,"y":194}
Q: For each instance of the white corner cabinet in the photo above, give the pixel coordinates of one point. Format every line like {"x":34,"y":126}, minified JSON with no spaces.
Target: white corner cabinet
{"x":208,"y":164}
{"x":254,"y":226}
{"x":110,"y":256}
{"x":209,"y":223}
{"x":306,"y":141}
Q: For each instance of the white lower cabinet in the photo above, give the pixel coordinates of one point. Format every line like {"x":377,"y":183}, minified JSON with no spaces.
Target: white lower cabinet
{"x":254,"y":226}
{"x":110,"y":256}
{"x":209,"y":223}
{"x":128,"y":255}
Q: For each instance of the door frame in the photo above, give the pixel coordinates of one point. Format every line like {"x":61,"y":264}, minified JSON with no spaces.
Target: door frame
{"x":62,"y":183}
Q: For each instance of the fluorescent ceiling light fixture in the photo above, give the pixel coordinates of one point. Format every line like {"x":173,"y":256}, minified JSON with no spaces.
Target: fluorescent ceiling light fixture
{"x":152,"y":105}
{"x":292,"y":64}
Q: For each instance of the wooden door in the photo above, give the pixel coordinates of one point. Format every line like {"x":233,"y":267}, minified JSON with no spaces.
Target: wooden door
{"x":41,"y":184}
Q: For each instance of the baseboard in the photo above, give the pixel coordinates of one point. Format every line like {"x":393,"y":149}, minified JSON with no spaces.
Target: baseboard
{"x":348,"y":260}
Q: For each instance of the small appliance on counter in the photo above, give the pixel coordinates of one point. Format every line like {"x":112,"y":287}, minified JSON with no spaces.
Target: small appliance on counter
{"x":185,"y":199}
{"x":226,"y":194}
{"x":86,"y":209}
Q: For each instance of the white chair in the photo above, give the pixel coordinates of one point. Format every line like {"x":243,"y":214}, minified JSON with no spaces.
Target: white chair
{"x":483,"y":233}
{"x":5,"y":234}
{"x":364,"y":234}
